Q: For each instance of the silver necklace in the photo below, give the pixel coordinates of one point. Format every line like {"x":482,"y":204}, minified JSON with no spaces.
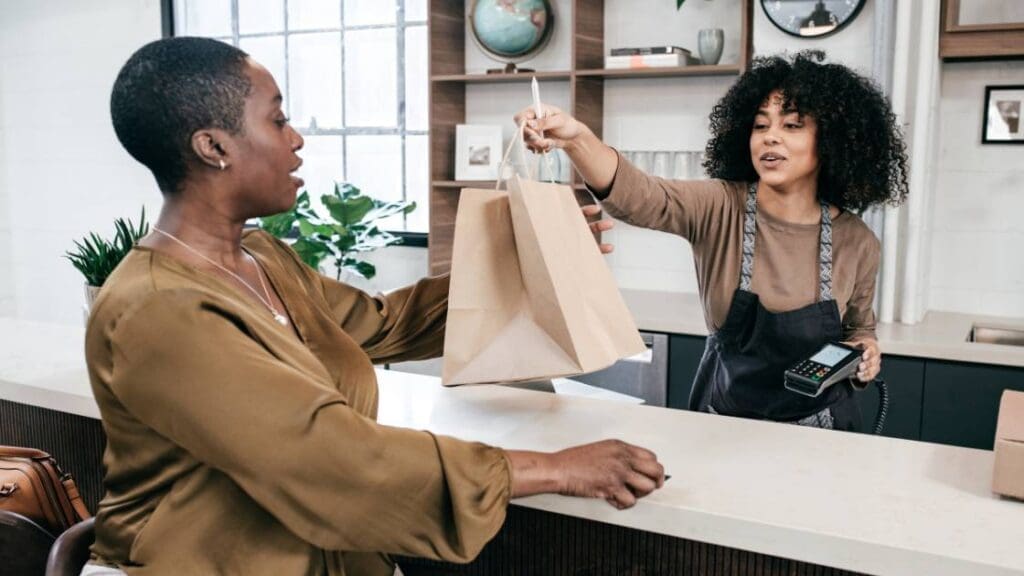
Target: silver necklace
{"x":278,"y":316}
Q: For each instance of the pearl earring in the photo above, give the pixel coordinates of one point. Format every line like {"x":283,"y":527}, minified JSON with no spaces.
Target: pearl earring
{"x":222,"y":164}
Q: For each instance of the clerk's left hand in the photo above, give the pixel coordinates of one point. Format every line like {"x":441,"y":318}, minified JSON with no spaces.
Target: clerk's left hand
{"x":870,"y":360}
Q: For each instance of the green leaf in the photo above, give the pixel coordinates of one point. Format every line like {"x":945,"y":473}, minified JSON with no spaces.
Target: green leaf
{"x":348,"y":210}
{"x":96,"y":258}
{"x":306,"y":228}
{"x":679,"y":4}
{"x":311,"y":252}
{"x":360,"y":267}
{"x":278,"y":225}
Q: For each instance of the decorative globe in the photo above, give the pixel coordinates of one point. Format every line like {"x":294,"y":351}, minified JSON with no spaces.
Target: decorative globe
{"x":511,"y":30}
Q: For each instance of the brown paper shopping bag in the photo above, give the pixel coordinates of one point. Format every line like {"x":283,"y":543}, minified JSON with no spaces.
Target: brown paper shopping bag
{"x":531,"y":296}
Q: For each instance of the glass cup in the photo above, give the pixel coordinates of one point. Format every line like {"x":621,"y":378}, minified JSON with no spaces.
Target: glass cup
{"x":642,"y":160}
{"x":681,"y":165}
{"x":660,"y":166}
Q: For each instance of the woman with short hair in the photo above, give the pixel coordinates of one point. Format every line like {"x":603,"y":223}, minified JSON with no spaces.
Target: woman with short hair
{"x":236,"y":385}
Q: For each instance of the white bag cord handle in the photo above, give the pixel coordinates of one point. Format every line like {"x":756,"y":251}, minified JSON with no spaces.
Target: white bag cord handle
{"x":519,"y":137}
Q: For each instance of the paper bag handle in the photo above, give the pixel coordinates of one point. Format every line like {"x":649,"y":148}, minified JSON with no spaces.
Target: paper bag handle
{"x":519,"y":137}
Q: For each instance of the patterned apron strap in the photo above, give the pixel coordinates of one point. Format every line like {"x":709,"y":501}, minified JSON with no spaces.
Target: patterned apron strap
{"x":825,"y":255}
{"x":749,"y":233}
{"x":824,"y":247}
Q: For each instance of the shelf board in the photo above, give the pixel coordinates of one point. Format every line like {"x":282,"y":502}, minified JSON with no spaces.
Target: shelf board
{"x":674,"y":71}
{"x":462,"y":183}
{"x":496,"y":78}
{"x":484,"y":184}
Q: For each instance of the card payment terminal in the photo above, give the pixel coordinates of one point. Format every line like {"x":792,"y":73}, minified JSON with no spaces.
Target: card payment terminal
{"x":833,"y":363}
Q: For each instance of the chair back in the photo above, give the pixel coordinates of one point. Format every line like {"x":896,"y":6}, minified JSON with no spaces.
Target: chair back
{"x":71,"y":550}
{"x":23,"y":545}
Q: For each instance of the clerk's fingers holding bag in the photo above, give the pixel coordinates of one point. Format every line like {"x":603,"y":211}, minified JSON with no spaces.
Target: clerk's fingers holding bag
{"x":612,"y":470}
{"x":592,"y":211}
{"x":554,"y":130}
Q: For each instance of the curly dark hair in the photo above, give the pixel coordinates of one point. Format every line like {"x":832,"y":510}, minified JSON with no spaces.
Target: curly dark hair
{"x":167,"y":91}
{"x":861,"y":152}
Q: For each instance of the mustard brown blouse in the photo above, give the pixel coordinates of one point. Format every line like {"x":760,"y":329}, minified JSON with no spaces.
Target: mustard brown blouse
{"x":235,"y":447}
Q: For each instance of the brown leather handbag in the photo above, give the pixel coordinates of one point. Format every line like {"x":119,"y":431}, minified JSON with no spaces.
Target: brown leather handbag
{"x":32,"y":485}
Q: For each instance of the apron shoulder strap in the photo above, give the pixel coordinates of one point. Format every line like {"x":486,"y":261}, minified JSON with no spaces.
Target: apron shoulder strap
{"x":749,"y":234}
{"x":825,"y":255}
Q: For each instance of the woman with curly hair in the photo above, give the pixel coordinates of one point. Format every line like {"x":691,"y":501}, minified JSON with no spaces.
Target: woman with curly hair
{"x":784,"y":265}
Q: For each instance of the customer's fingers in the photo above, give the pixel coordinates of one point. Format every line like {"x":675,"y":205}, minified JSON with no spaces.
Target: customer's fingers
{"x":622,"y":498}
{"x":640,"y":484}
{"x":649,"y":467}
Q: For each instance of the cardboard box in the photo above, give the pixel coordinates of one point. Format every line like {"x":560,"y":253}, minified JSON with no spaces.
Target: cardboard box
{"x":1008,"y":475}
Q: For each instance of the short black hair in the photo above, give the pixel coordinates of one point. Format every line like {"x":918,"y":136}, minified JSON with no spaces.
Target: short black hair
{"x":167,"y":91}
{"x":862,"y":156}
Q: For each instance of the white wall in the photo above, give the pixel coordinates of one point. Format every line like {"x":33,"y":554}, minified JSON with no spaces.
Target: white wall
{"x":6,"y":272}
{"x":977,"y":224}
{"x":62,"y":171}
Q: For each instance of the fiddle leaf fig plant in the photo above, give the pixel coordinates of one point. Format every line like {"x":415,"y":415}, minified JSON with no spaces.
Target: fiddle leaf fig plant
{"x":96,"y":257}
{"x":352,"y":228}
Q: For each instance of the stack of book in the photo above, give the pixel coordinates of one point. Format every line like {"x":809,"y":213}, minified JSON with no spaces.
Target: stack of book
{"x":649,"y":57}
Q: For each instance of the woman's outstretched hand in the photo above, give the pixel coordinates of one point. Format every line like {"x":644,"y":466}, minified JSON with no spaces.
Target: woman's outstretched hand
{"x":612,"y":470}
{"x":555,"y":130}
{"x":593,"y":159}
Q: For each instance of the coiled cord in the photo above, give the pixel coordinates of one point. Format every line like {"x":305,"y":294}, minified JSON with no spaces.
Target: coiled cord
{"x":883,"y":405}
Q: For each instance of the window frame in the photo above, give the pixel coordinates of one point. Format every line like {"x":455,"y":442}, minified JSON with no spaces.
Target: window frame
{"x":413,"y":239}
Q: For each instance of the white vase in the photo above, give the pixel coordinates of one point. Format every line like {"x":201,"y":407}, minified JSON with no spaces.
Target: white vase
{"x":709,"y":43}
{"x":91,"y":292}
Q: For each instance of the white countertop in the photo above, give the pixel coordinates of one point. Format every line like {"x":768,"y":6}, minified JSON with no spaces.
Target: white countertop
{"x":857,"y":502}
{"x":940,"y":336}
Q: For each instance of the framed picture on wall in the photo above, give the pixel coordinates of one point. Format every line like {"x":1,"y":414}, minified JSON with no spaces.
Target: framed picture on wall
{"x":1004,"y":107}
{"x":477,"y":151}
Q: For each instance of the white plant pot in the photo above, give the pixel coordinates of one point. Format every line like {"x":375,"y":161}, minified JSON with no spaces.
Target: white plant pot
{"x":91,"y":292}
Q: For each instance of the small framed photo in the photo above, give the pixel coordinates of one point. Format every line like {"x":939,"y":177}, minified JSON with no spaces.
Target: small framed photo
{"x":1004,"y":108}
{"x":477,"y":151}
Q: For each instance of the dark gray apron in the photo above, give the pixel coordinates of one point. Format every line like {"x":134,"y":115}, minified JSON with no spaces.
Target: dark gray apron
{"x":741,"y":373}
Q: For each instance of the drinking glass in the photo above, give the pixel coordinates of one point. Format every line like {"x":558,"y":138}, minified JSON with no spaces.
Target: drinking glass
{"x":642,"y":160}
{"x":661,"y":165}
{"x":681,"y":165}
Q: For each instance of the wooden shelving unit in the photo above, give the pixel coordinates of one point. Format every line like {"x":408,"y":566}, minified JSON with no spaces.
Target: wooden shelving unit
{"x":448,"y":80}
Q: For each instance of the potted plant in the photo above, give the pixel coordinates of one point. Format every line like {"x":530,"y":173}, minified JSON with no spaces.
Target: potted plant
{"x":96,"y":257}
{"x":351,"y":229}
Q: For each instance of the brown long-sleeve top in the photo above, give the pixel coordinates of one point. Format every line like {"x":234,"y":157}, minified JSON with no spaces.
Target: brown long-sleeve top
{"x":234,"y":447}
{"x":709,"y":214}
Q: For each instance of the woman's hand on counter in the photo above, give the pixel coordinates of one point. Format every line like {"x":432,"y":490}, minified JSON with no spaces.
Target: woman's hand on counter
{"x":613,"y":470}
